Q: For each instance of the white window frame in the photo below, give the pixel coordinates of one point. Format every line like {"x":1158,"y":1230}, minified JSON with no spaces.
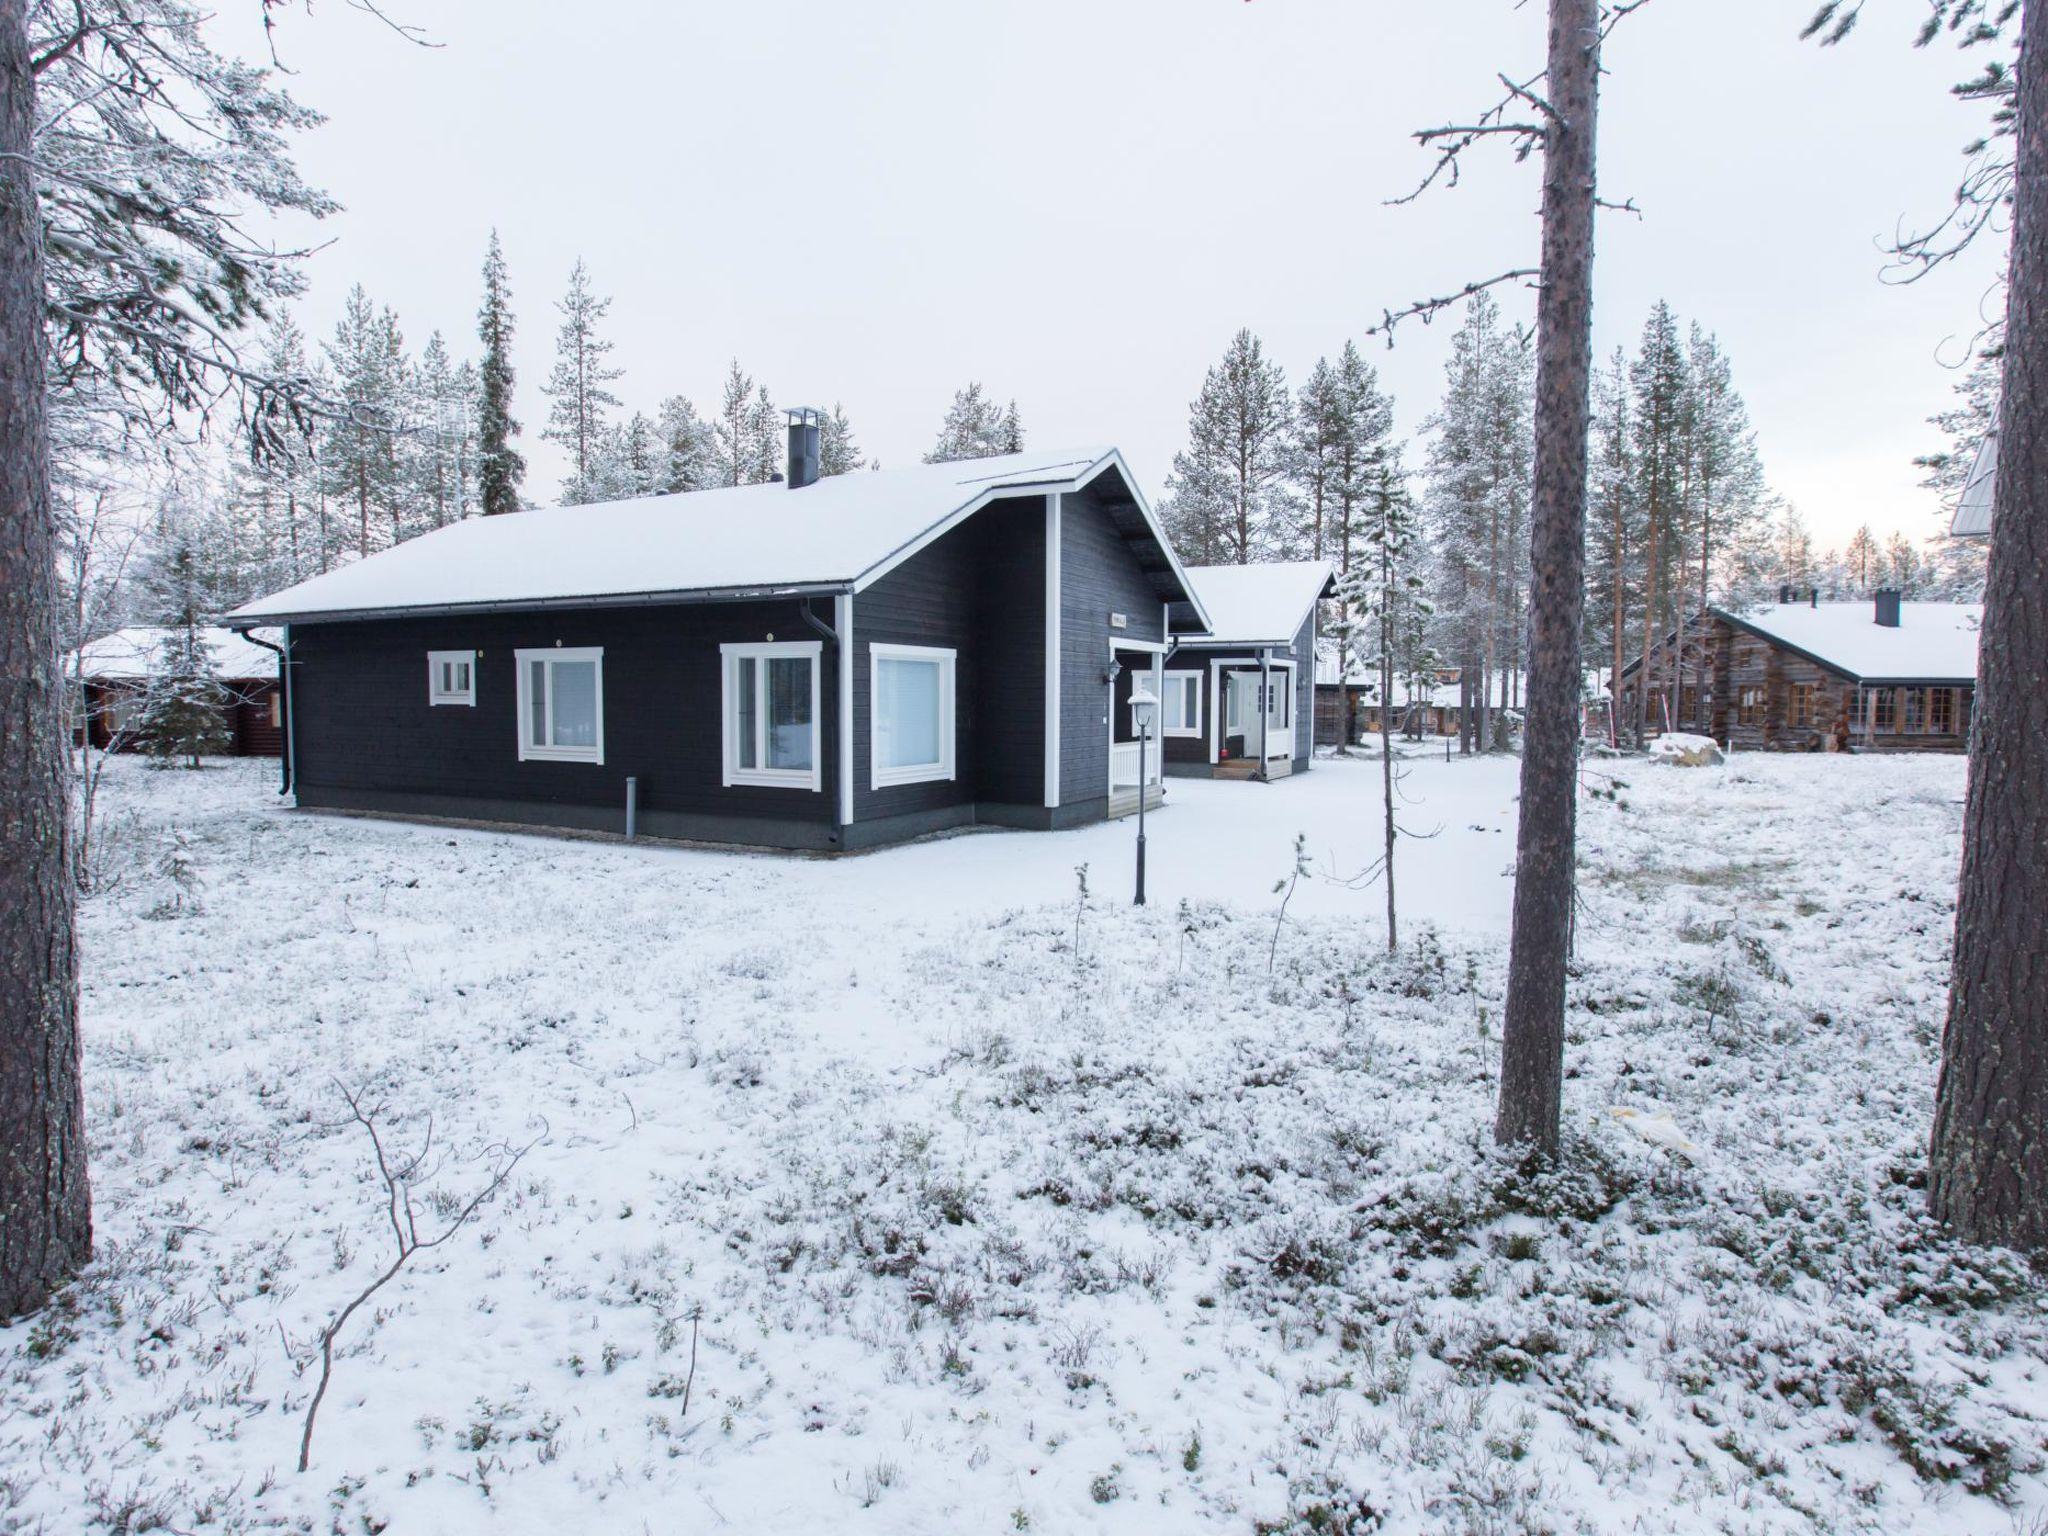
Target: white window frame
{"x":531,"y":751}
{"x":811,"y":778}
{"x":436,"y":660}
{"x":941,"y":771}
{"x":1173,"y":679}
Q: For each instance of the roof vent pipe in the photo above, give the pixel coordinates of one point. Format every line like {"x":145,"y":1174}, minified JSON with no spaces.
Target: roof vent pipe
{"x":1887,"y":607}
{"x":1785,"y":593}
{"x":806,"y":445}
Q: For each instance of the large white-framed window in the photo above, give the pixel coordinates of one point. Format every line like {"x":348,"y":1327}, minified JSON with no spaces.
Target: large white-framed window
{"x":770,"y":709}
{"x":451,"y":677}
{"x":561,"y":704}
{"x":910,"y":729}
{"x":1180,"y":704}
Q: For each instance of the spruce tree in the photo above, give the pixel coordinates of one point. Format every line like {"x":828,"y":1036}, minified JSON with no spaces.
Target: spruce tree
{"x":1227,"y":496}
{"x":183,"y":712}
{"x":1659,"y":387}
{"x":577,"y":416}
{"x":500,"y":468}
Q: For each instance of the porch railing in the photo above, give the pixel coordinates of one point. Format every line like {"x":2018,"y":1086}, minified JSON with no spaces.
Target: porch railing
{"x":1123,"y":764}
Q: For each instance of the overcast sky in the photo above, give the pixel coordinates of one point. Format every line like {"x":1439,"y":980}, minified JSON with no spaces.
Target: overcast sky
{"x":1078,"y":201}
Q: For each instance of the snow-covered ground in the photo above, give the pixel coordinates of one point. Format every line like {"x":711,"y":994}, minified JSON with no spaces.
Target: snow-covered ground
{"x":908,"y":1193}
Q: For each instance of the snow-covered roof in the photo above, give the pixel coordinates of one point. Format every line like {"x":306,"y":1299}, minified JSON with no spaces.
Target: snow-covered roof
{"x":1933,"y":643}
{"x":129,"y":653}
{"x":1257,"y":604}
{"x":835,"y":535}
{"x":1973,"y":511}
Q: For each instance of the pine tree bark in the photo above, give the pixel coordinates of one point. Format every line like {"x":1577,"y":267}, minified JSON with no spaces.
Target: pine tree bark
{"x":45,"y":1211}
{"x":1532,"y":1039}
{"x":1989,"y":1160}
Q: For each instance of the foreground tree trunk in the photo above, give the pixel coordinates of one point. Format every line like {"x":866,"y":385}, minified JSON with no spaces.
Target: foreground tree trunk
{"x":1990,"y":1150}
{"x":1532,"y":1040}
{"x":45,"y":1215}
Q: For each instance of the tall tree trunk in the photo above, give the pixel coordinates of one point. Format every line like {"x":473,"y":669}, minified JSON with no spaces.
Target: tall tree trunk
{"x":1620,"y":626}
{"x":1532,"y":1038}
{"x":45,"y":1208}
{"x":1989,"y":1160}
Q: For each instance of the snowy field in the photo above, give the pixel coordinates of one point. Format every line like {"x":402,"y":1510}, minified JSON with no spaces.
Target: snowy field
{"x":908,"y":1193}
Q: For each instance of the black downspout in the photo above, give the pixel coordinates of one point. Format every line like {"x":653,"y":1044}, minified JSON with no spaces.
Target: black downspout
{"x":838,"y":725}
{"x":284,"y":714}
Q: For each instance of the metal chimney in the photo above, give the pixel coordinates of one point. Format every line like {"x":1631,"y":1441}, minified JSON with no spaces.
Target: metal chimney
{"x":806,"y":445}
{"x":1887,"y":607}
{"x":1785,"y":594}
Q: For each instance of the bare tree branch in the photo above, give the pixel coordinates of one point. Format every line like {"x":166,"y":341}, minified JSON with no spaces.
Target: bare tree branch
{"x":1426,"y":309}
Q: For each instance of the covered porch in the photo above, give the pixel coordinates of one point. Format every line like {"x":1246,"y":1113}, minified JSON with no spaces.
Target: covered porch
{"x":1132,"y":766}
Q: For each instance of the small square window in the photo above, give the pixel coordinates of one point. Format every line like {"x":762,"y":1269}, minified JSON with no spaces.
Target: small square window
{"x":451,"y":677}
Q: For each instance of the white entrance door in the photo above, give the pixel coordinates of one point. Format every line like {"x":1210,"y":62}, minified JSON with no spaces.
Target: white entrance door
{"x":1242,"y":703}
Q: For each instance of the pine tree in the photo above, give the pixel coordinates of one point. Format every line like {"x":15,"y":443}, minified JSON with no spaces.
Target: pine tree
{"x":976,"y":428}
{"x":1614,"y":518}
{"x":1796,"y":563}
{"x":576,"y":384}
{"x":1958,"y":565}
{"x":359,"y":452}
{"x":1383,"y":588}
{"x":838,"y":452}
{"x":1477,"y":507}
{"x":442,"y":448}
{"x":685,"y":446}
{"x":732,"y":433}
{"x":1227,"y":497}
{"x":1315,"y":456}
{"x":500,"y":468}
{"x":1366,"y":470}
{"x":626,"y":462}
{"x":1863,"y":558}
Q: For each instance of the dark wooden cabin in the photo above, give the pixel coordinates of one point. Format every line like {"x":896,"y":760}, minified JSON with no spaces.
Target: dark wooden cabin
{"x":823,"y":663}
{"x":1885,"y":675}
{"x":1240,"y":685}
{"x":113,"y":673}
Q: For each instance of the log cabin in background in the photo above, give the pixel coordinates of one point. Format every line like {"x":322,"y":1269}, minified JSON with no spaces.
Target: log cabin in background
{"x":113,"y":678}
{"x":1804,"y":675}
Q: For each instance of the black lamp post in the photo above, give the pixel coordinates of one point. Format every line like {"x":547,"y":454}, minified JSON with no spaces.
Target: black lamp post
{"x":1143,"y":705}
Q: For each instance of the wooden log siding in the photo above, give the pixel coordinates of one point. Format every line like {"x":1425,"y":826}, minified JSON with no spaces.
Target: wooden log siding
{"x":1738,"y":660}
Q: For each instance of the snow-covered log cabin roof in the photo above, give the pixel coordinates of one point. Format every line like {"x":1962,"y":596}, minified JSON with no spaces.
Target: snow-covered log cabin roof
{"x":1262,"y":604}
{"x":1973,"y":511}
{"x":1933,"y":643}
{"x":836,"y":535}
{"x":130,"y":653}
